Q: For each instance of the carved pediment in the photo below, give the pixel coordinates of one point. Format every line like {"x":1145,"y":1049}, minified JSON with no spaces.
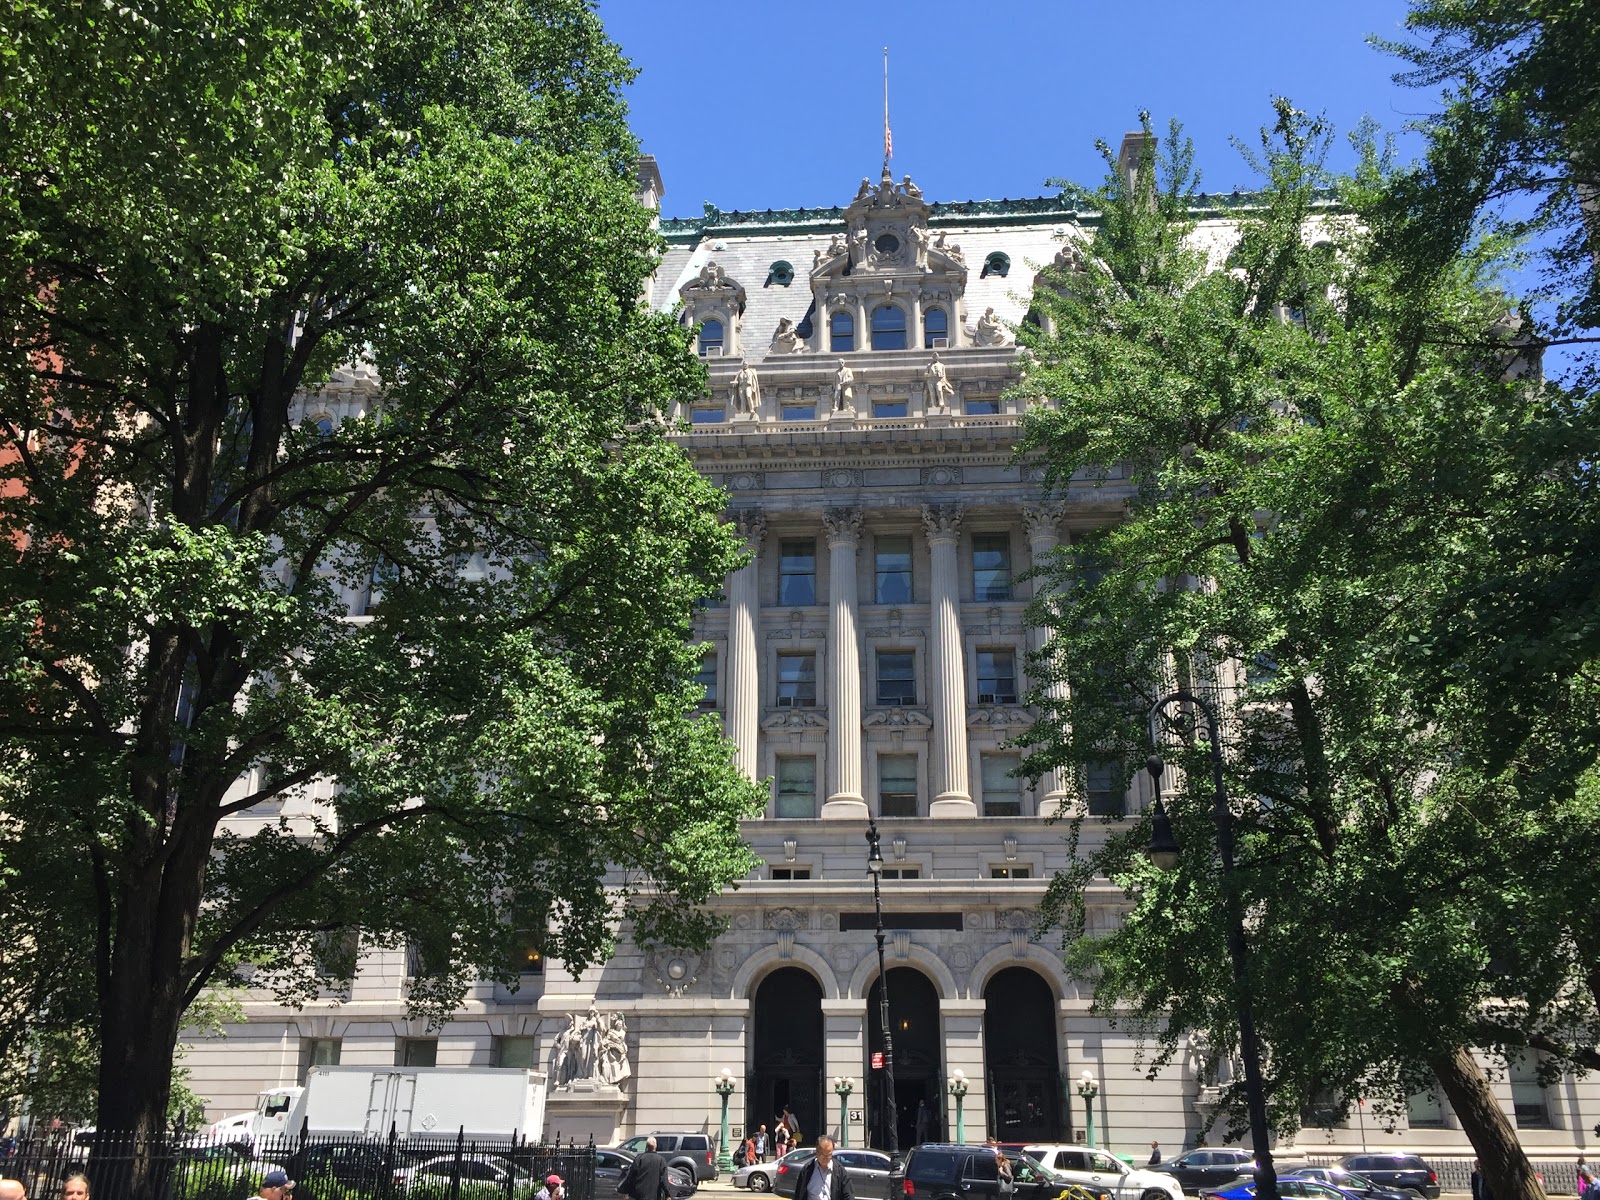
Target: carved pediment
{"x":714,"y":286}
{"x":795,"y":718}
{"x":998,"y":716}
{"x":901,"y":718}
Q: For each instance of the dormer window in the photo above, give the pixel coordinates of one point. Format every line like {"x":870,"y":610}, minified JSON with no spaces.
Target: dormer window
{"x":935,"y":329}
{"x":711,"y":338}
{"x":888,"y":328}
{"x":781,"y":273}
{"x":841,"y":332}
{"x":998,"y":263}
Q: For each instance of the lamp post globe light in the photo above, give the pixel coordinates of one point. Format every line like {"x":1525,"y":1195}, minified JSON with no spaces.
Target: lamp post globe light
{"x":958,"y":1089}
{"x":724,"y":1086}
{"x":1165,"y":853}
{"x":891,"y":1117}
{"x":1088,"y":1088}
{"x":842,"y":1087}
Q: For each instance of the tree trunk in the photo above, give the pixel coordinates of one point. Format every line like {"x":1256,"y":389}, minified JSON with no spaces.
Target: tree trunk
{"x":1505,"y":1167}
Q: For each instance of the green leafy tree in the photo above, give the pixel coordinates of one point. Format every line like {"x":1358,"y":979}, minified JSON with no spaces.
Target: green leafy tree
{"x":204,"y":209}
{"x":1363,"y":527}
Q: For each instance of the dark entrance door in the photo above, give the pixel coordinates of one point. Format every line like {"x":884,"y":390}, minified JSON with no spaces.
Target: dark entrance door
{"x":918,"y":1060}
{"x":786,"y":1062}
{"x":1019,"y":1045}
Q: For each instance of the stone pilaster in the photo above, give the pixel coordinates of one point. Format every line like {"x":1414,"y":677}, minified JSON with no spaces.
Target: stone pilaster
{"x":1042,"y":523}
{"x":743,"y":722}
{"x":845,"y":801}
{"x":947,"y":668}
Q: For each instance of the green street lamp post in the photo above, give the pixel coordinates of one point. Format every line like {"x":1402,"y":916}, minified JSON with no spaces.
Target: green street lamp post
{"x":958,"y":1089}
{"x":1088,"y":1088}
{"x":842,"y":1087}
{"x":724,"y":1086}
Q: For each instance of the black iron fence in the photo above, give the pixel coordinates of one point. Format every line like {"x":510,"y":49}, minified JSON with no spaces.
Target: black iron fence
{"x":182,"y":1167}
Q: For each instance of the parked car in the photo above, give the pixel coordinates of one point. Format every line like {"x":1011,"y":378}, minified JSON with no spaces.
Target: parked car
{"x":694,"y":1152}
{"x":1209,"y":1167}
{"x":1352,"y":1182}
{"x":942,"y":1171}
{"x":1101,"y":1171}
{"x":759,"y":1177}
{"x":868,"y":1171}
{"x":1032,"y":1180}
{"x":611,"y":1164}
{"x":1404,"y":1171}
{"x":471,"y":1168}
{"x":1289,"y":1185}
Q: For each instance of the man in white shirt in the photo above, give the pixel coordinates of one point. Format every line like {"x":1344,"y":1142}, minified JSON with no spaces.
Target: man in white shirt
{"x":823,"y":1178}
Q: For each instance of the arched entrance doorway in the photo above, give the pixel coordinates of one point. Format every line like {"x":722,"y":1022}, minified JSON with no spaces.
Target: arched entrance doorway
{"x":918,"y":1060}
{"x":1020,"y":1061}
{"x":786,"y":1055}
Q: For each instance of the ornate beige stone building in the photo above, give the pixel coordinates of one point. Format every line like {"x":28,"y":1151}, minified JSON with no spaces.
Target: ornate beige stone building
{"x":871,"y":659}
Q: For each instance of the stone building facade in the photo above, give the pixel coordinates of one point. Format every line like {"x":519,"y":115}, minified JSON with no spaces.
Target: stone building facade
{"x":870,"y":659}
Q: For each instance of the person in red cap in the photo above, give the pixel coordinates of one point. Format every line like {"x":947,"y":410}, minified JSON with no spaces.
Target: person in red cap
{"x":552,"y":1189}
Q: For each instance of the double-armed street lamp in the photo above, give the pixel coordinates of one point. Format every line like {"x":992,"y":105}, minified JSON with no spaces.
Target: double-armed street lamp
{"x":1088,"y":1088}
{"x":842,"y":1087}
{"x":875,"y":868}
{"x":1165,"y":853}
{"x":724,"y":1087}
{"x":958,"y":1089}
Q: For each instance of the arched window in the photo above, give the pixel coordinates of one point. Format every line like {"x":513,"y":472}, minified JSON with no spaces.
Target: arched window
{"x":935,"y":329}
{"x":710,"y":337}
{"x":841,"y":332}
{"x":888,"y":328}
{"x":323,"y":424}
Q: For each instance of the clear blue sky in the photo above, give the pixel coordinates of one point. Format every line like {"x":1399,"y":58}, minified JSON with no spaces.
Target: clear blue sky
{"x":764,"y":105}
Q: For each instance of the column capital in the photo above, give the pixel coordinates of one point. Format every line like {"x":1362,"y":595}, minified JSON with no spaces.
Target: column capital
{"x":1043,"y":522}
{"x":751,"y":524}
{"x":941,"y":522}
{"x":843,"y":525}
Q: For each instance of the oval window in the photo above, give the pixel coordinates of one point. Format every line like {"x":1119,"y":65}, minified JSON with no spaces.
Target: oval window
{"x":887,"y":243}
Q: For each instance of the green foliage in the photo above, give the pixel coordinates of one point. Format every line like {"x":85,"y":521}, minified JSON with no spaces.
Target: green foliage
{"x":1364,"y":529}
{"x":204,"y":208}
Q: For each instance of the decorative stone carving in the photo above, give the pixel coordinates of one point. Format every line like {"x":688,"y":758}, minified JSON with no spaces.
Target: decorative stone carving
{"x":785,"y":941}
{"x":897,"y":718}
{"x":746,"y":392}
{"x":713,"y":283}
{"x":960,"y":958}
{"x":902,"y":943}
{"x":940,"y":476}
{"x":920,"y":241}
{"x":675,"y":970}
{"x":939,"y":389}
{"x":1014,"y":918}
{"x":592,"y":1049}
{"x":787,"y":340}
{"x":989,"y":331}
{"x":1042,"y":521}
{"x":745,"y":481}
{"x":997,"y":717}
{"x":795,"y":718}
{"x":752,"y":526}
{"x":949,"y":249}
{"x":843,"y":525}
{"x":786,"y":918}
{"x":941,"y":521}
{"x":842,"y":477}
{"x":844,"y":389}
{"x":843,"y":959}
{"x":1070,"y":258}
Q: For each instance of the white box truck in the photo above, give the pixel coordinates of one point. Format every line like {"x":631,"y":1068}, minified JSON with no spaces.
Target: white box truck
{"x":496,"y":1103}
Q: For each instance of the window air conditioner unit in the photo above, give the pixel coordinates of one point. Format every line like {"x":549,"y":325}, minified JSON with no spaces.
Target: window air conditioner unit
{"x":986,"y":698}
{"x":713,"y":352}
{"x":939,"y":343}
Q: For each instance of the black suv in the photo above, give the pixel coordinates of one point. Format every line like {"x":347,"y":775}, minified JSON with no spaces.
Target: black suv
{"x":694,"y":1152}
{"x":942,"y":1171}
{"x":1404,"y":1171}
{"x":1209,"y":1166}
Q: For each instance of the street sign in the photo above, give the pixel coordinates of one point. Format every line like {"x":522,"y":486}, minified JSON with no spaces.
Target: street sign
{"x":877,"y":1060}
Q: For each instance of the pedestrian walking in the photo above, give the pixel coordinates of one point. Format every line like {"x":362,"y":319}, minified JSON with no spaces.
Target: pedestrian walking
{"x":1480,"y":1185}
{"x":552,"y":1189}
{"x":12,"y":1189}
{"x":1588,"y":1184}
{"x":824,"y":1177}
{"x":646,"y":1177}
{"x":1155,"y":1154}
{"x":75,"y":1187}
{"x":761,"y":1144}
{"x":792,"y":1124}
{"x":275,"y":1185}
{"x":780,"y":1138}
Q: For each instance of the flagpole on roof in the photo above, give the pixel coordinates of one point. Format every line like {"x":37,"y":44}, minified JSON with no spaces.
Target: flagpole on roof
{"x":888,"y":141}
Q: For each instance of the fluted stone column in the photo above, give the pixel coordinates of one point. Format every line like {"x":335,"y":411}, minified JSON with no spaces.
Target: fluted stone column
{"x":743,"y":722}
{"x":845,"y":801}
{"x":947,"y":668}
{"x":1042,"y":523}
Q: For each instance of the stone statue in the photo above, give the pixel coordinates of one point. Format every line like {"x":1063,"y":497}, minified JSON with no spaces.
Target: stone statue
{"x":747,"y":391}
{"x":837,"y":246}
{"x":712,"y":275}
{"x":858,"y":246}
{"x":844,"y":389}
{"x":865,"y":189}
{"x":561,"y":1052}
{"x":911,"y":190}
{"x":1070,"y":258}
{"x":614,"y":1066}
{"x":787,"y":340}
{"x":940,"y":393}
{"x":988,"y":331}
{"x":950,"y":248}
{"x":919,"y":245}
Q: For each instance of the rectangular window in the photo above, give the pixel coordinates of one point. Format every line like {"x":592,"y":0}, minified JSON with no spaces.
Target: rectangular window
{"x":894,"y":570}
{"x":427,"y":957}
{"x":706,"y":678}
{"x":335,"y":952}
{"x":797,"y":573}
{"x":1425,"y":1109}
{"x":1002,"y":793}
{"x":797,"y":680}
{"x":797,"y":786}
{"x":704,"y":415}
{"x":888,"y":408}
{"x":799,"y":412}
{"x":991,"y":566}
{"x":417,"y":1052}
{"x":1103,"y":789}
{"x":318,"y":1052}
{"x":997,"y":677}
{"x":527,"y":948}
{"x":521,"y":1053}
{"x":1010,"y":872}
{"x":978,"y":407}
{"x":902,"y":872}
{"x":897,"y":677}
{"x":1528,"y":1100}
{"x":791,"y":872}
{"x":897,"y":785}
